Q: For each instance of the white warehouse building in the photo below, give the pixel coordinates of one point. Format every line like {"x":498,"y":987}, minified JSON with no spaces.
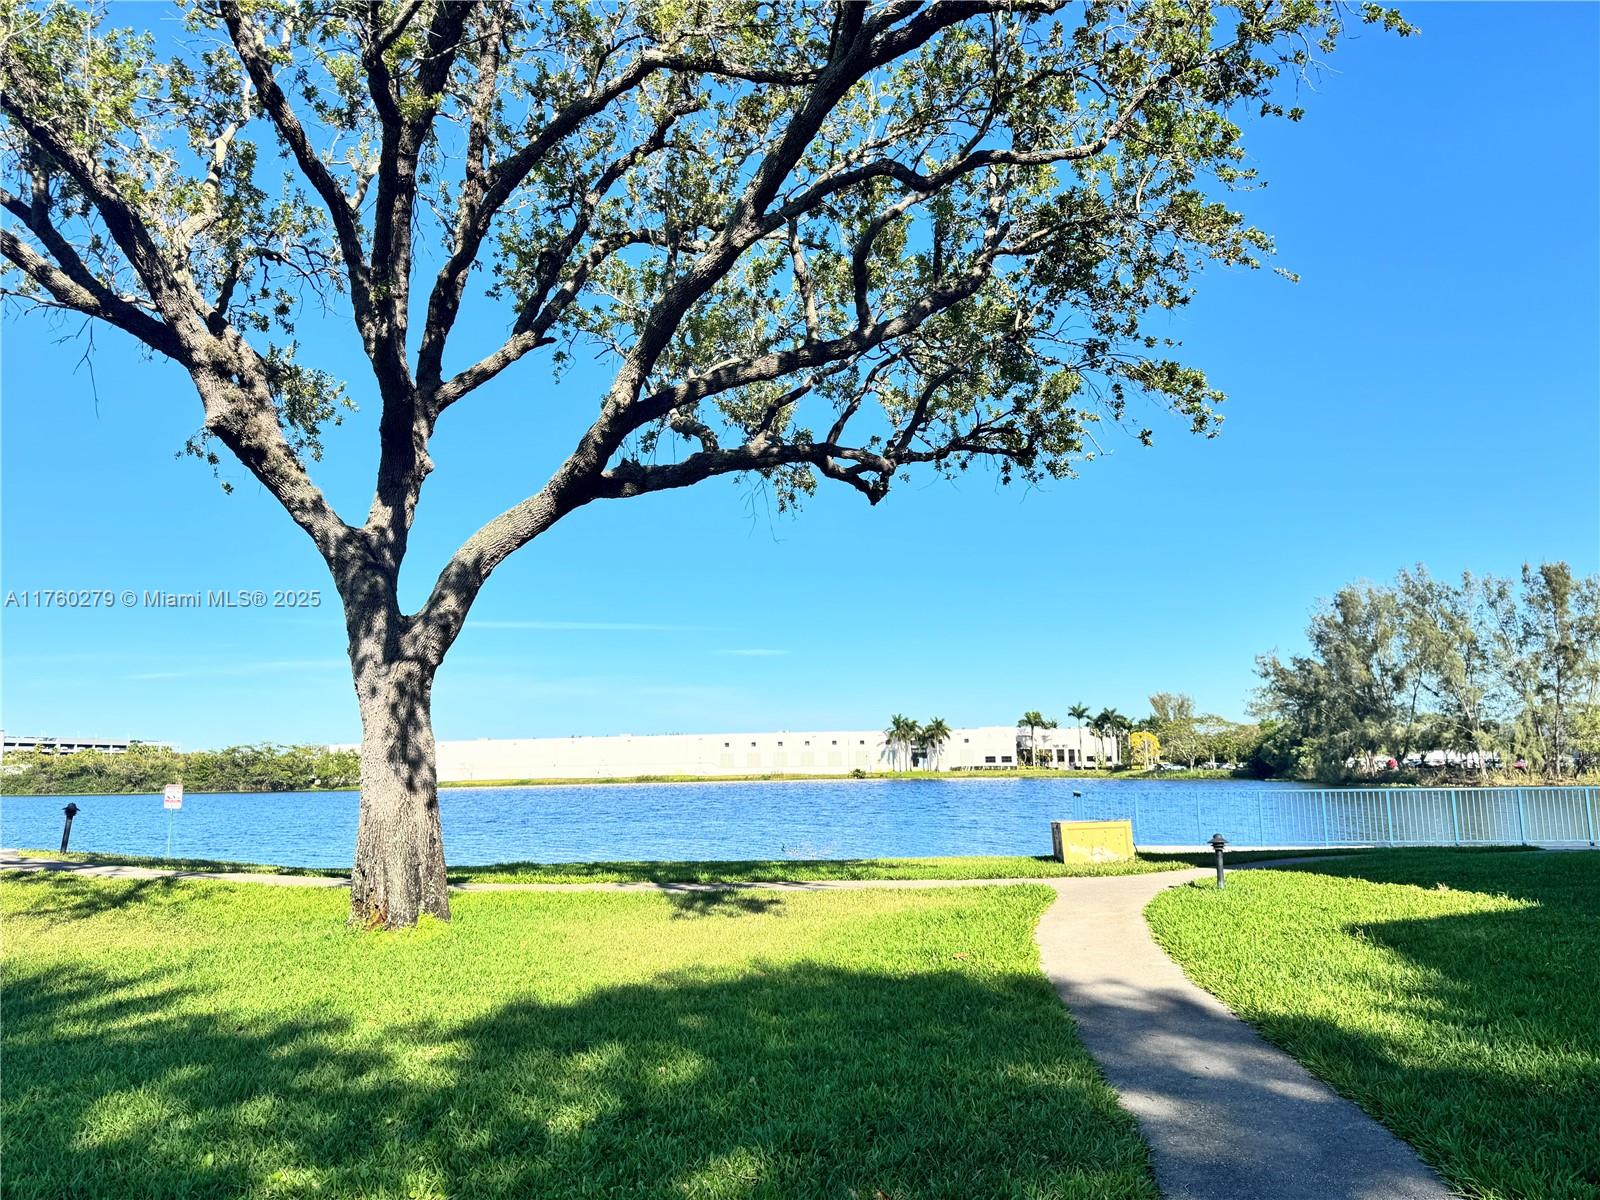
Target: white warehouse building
{"x":805,"y":752}
{"x":17,"y":743}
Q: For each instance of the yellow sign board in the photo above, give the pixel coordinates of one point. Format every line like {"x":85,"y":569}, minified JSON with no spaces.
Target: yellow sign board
{"x":1091,"y":841}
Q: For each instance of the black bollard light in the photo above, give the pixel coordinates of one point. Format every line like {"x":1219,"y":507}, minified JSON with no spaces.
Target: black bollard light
{"x":71,"y":810}
{"x":1219,"y":844}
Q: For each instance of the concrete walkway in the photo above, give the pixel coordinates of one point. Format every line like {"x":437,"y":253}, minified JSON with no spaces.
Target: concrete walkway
{"x":1227,"y":1116}
{"x":11,"y":860}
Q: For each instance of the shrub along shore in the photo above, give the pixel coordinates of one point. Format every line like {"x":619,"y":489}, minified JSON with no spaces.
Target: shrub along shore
{"x":261,"y":768}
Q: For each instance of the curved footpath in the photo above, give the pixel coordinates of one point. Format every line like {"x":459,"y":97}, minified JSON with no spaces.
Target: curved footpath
{"x":1227,"y":1115}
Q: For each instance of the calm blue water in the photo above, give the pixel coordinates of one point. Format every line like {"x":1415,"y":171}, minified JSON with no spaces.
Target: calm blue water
{"x":826,"y":819}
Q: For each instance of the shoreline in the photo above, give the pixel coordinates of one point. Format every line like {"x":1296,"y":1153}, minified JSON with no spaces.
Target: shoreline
{"x":1197,"y":775}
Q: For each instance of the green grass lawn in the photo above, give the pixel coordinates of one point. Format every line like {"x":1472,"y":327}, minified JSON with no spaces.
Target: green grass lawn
{"x":167,"y":1038}
{"x":1454,"y":996}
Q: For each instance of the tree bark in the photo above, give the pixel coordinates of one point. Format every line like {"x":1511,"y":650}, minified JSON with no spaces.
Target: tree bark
{"x":399,"y":870}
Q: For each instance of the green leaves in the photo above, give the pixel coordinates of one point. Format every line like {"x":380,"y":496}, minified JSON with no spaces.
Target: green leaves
{"x":818,"y":241}
{"x":1481,"y":667}
{"x":307,"y":399}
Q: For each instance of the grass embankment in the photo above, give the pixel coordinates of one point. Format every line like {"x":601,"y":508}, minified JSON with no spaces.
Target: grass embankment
{"x":775,"y":870}
{"x":1454,"y":996}
{"x":167,"y":1038}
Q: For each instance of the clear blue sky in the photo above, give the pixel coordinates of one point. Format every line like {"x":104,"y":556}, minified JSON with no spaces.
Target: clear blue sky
{"x":1429,"y":392}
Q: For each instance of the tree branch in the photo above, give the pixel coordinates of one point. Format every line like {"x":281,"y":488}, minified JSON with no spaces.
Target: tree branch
{"x":173,"y":297}
{"x":858,"y":47}
{"x":228,"y":374}
{"x":774,"y":364}
{"x":405,"y":424}
{"x":483,"y":199}
{"x":81,"y":292}
{"x":535,"y":316}
{"x":532,"y":328}
{"x":252,"y":52}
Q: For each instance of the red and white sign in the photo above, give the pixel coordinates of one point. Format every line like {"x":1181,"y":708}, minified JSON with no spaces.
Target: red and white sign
{"x":172,"y":796}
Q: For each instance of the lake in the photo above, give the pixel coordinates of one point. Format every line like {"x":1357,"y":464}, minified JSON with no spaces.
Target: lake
{"x":596,"y":822}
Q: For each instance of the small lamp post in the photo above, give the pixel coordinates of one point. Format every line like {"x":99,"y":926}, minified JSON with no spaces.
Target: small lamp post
{"x":71,"y":810}
{"x":1219,"y":844}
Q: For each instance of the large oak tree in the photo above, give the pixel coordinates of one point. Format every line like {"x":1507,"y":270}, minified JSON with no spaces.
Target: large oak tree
{"x":815,"y":241}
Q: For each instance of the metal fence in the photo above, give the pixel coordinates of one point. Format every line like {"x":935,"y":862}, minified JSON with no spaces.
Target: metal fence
{"x":1426,"y":817}
{"x":1266,"y":815}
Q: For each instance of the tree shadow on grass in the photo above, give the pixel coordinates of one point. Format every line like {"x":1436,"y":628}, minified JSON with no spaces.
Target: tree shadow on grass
{"x":1567,"y":881}
{"x":777,"y":1081}
{"x":721,"y":902}
{"x":69,"y":903}
{"x":764,"y":870}
{"x":661,"y":873}
{"x":1491,"y":1066}
{"x":1492,"y":1069}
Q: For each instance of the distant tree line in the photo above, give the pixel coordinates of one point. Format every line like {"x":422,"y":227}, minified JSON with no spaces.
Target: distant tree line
{"x":1491,"y":672}
{"x":262,"y":768}
{"x":1174,"y":732}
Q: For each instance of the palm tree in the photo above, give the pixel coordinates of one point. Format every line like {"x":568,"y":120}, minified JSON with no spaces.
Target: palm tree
{"x":1109,"y":723}
{"x":1119,"y":726}
{"x":1033,"y":720}
{"x":1080,"y":714}
{"x":1097,"y":726}
{"x":933,"y":736}
{"x":901,"y":733}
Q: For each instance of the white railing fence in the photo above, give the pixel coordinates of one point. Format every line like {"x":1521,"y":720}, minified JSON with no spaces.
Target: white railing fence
{"x":1476,"y":816}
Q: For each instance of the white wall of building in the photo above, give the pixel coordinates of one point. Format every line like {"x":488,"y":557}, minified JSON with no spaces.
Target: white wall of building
{"x":16,"y":743}
{"x":823,"y":752}
{"x":1074,"y":747}
{"x":814,"y":752}
{"x":991,"y":747}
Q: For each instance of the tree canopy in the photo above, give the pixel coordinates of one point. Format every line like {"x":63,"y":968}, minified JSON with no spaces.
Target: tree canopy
{"x":816,"y":242}
{"x":808,"y":241}
{"x":1481,"y":667}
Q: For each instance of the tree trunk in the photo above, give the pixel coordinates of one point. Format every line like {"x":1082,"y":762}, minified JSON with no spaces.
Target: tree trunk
{"x":399,"y":871}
